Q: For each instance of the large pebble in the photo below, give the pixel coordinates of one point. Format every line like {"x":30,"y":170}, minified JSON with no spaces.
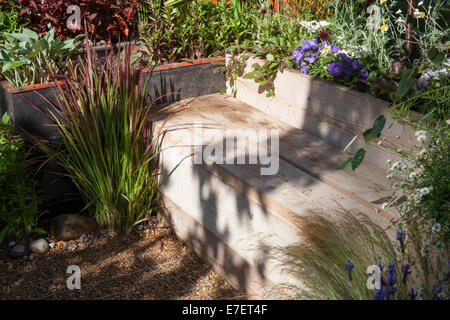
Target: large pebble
{"x":71,"y":226}
{"x":39,"y":246}
{"x":17,"y":251}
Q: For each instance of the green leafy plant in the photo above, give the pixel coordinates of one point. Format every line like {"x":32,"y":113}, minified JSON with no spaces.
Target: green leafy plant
{"x":109,"y":147}
{"x":422,"y":181}
{"x":194,"y":30}
{"x":368,"y":135}
{"x":26,"y":58}
{"x":9,"y":19}
{"x":19,"y":199}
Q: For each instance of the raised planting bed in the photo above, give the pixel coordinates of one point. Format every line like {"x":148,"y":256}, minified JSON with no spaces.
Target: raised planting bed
{"x":325,"y":109}
{"x":29,"y":106}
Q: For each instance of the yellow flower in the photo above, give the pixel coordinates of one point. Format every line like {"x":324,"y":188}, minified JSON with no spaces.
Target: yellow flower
{"x":422,"y":14}
{"x":382,"y":1}
{"x":384,"y":28}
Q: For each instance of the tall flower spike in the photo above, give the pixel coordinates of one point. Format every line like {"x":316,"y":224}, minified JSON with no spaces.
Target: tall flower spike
{"x":401,"y":234}
{"x":406,"y":270}
{"x":349,"y":266}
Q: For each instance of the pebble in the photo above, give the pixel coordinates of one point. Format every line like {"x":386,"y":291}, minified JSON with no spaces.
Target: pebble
{"x":112,"y":234}
{"x":39,"y":246}
{"x":11,"y":243}
{"x":17,"y":251}
{"x":51,"y":245}
{"x":25,"y":258}
{"x":140,"y":227}
{"x":30,"y":257}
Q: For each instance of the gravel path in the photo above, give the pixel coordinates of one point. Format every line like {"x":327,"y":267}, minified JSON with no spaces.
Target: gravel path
{"x":124,"y":267}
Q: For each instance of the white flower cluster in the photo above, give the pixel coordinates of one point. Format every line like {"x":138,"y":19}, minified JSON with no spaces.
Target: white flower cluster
{"x":421,"y":135}
{"x":314,"y":25}
{"x":358,"y":51}
{"x":436,"y":74}
{"x":419,"y":193}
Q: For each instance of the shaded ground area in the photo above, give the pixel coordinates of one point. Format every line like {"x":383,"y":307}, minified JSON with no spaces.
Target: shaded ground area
{"x":125,"y":267}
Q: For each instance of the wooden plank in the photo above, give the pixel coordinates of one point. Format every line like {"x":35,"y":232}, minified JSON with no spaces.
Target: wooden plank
{"x":297,"y":148}
{"x":211,"y":249}
{"x":245,"y":210}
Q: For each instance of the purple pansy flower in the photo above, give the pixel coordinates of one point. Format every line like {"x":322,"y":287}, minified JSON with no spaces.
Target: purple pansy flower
{"x":423,"y":83}
{"x":306,"y":46}
{"x":323,"y":45}
{"x":334,"y":49}
{"x":348,"y":70}
{"x":304,"y":68}
{"x":314,"y":46}
{"x":335,"y":68}
{"x":354,"y":64}
{"x":364,"y":74}
{"x":345,"y":57}
{"x":298,"y":54}
{"x":311,"y":58}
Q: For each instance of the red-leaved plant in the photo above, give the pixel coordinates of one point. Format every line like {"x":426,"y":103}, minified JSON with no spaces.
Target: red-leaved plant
{"x":109,"y":146}
{"x":105,"y":19}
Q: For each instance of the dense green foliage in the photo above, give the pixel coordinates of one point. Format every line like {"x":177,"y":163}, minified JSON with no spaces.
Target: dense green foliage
{"x":26,"y":58}
{"x":19,"y":200}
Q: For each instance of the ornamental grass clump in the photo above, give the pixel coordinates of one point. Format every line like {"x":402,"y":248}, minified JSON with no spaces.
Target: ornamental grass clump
{"x":353,"y":258}
{"x":332,"y":259}
{"x":109,"y":147}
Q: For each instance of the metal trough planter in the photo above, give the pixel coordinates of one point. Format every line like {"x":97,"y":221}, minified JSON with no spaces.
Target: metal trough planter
{"x":29,"y":106}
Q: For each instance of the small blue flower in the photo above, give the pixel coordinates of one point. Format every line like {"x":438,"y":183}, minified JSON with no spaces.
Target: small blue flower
{"x":391,"y":274}
{"x":380,"y":266}
{"x":304,"y":67}
{"x":297,"y":54}
{"x":406,"y":270}
{"x":345,"y":57}
{"x":437,"y":292}
{"x":412,"y":294}
{"x":349,"y":266}
{"x":334,"y":48}
{"x":401,"y":234}
{"x":311,"y":58}
{"x":380,"y":294}
{"x":335,"y":68}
